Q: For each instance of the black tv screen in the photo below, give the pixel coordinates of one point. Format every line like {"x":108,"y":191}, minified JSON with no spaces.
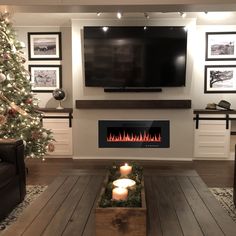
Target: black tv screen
{"x":135,"y":56}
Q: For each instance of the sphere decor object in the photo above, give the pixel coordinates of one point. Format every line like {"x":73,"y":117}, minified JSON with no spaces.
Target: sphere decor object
{"x":59,"y":95}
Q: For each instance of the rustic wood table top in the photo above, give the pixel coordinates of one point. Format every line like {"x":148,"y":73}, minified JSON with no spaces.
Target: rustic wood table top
{"x":178,"y":203}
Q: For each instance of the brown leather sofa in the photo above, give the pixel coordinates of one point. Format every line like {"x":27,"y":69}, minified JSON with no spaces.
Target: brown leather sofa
{"x":12,"y":175}
{"x":235,"y":178}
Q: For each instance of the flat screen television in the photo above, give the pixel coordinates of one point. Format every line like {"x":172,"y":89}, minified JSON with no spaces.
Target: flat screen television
{"x":135,"y":56}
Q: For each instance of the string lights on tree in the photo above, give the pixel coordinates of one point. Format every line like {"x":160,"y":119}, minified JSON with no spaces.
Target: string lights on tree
{"x":19,"y":116}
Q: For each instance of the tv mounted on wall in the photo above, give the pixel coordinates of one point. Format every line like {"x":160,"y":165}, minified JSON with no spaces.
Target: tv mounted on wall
{"x":135,"y":56}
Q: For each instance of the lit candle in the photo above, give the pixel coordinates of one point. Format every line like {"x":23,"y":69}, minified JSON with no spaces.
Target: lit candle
{"x":119,"y":194}
{"x":124,"y":183}
{"x":126,"y":169}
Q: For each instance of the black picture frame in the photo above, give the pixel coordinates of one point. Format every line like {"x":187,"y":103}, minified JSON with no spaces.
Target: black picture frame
{"x":45,"y":78}
{"x":44,"y":46}
{"x":220,"y":46}
{"x":220,"y":79}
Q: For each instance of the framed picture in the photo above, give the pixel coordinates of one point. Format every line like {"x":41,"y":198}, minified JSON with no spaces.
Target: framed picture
{"x":44,"y":46}
{"x":220,"y":46}
{"x":45,"y":78}
{"x":220,"y":79}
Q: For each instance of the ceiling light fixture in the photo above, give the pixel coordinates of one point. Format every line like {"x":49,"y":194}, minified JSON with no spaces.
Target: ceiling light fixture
{"x":99,"y":13}
{"x":119,"y":15}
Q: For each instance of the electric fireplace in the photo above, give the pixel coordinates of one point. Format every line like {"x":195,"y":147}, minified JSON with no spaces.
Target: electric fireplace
{"x":134,"y":133}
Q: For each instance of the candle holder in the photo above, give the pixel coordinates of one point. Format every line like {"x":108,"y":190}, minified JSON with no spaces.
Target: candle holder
{"x":126,"y":204}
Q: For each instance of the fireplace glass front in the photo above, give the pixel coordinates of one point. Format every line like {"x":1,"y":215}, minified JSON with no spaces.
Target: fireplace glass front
{"x":134,"y":133}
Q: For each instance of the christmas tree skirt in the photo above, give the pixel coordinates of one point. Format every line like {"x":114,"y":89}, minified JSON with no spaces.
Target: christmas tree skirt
{"x":32,"y":192}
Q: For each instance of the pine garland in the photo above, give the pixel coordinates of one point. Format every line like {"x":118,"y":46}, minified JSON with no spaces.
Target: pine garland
{"x":134,"y":196}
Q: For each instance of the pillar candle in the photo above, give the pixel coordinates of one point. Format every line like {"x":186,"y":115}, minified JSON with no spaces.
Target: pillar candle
{"x":125,"y":169}
{"x":124,"y":183}
{"x":119,"y":194}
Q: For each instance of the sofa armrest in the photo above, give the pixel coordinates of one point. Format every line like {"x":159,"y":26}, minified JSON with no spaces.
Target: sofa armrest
{"x":12,"y":151}
{"x":8,"y":149}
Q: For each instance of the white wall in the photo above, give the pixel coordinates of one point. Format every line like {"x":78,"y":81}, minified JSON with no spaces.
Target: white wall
{"x":85,"y":122}
{"x":199,"y":98}
{"x":46,"y":99}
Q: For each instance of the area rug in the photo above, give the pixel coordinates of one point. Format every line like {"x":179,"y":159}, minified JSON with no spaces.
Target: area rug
{"x":225,"y":197}
{"x":32,"y":192}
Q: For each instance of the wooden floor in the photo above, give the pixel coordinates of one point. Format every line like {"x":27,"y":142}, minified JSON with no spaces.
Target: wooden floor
{"x":213,"y":173}
{"x":178,"y":204}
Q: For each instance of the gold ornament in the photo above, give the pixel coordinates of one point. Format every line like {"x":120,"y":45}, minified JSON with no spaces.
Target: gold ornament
{"x":3,"y":119}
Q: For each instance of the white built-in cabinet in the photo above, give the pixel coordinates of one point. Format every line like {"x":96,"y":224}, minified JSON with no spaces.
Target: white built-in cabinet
{"x":60,"y":123}
{"x":213,"y":133}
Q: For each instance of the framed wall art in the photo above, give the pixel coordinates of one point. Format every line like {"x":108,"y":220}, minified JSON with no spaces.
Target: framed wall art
{"x":220,"y":79}
{"x":45,"y":78}
{"x":44,"y":46}
{"x":220,"y":46}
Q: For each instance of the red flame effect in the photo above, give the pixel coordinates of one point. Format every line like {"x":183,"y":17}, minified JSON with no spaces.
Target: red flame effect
{"x":145,"y":137}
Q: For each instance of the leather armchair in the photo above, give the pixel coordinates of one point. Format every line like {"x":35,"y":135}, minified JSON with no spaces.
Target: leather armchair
{"x":12,"y":175}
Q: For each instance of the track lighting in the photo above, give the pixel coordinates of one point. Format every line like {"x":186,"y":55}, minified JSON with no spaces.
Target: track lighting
{"x":119,"y":15}
{"x":182,"y":14}
{"x":146,"y":15}
{"x":105,"y":28}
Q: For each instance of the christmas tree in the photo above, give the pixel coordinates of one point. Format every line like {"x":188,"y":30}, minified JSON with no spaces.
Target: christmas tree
{"x":19,"y":117}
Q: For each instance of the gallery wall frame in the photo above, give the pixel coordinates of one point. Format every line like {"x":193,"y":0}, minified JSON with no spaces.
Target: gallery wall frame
{"x":220,"y":46}
{"x":220,"y":79}
{"x":44,"y":46}
{"x":45,"y":78}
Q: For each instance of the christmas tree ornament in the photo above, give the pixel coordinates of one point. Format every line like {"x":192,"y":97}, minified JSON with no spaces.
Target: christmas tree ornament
{"x":29,"y":101}
{"x":6,"y":57}
{"x":12,"y":112}
{"x":35,"y":134}
{"x":22,"y":44}
{"x":3,"y":119}
{"x":51,"y":147}
{"x":2,"y":77}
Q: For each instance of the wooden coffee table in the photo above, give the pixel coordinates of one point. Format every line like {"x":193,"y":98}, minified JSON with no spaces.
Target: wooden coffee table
{"x":178,"y":204}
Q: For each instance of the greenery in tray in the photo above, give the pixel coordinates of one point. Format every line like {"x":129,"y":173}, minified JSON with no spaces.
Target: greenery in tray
{"x":134,"y":195}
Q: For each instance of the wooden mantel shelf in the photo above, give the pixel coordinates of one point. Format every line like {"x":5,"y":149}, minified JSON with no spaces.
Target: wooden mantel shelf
{"x":213,"y":112}
{"x":133,"y":104}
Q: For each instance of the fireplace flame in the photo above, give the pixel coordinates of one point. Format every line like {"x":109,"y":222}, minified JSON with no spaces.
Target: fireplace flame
{"x":125,"y":137}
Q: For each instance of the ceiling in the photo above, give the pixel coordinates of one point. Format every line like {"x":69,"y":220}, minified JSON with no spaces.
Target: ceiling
{"x":60,"y":12}
{"x":64,"y":19}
